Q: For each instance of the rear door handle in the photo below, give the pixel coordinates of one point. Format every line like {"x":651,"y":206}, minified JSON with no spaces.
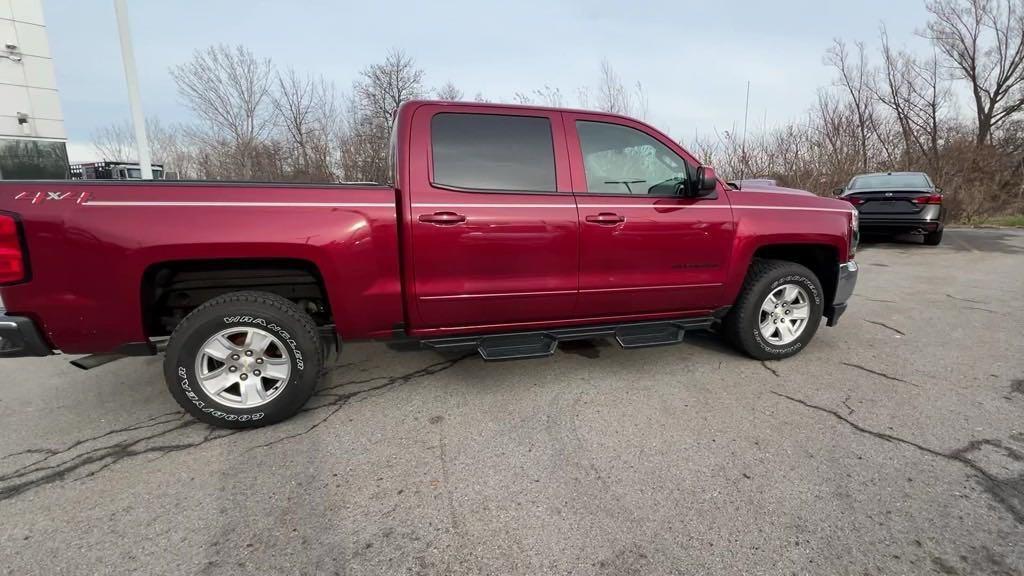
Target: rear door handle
{"x":607,"y":218}
{"x":443,"y":218}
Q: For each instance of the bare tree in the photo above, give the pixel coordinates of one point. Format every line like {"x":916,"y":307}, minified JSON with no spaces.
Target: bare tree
{"x":310,"y":119}
{"x":449,"y":92}
{"x":229,"y":90}
{"x":854,"y":79}
{"x":546,"y":96}
{"x":377,"y":95}
{"x":386,"y":86}
{"x":613,"y":96}
{"x":116,"y":142}
{"x":983,"y":42}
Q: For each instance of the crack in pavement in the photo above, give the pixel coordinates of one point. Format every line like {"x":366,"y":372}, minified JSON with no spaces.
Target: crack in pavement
{"x":340,"y":400}
{"x":884,"y":325}
{"x":1004,"y":492}
{"x":980,"y":308}
{"x":49,"y":465}
{"x":35,"y":474}
{"x":770,"y":369}
{"x":964,"y":299}
{"x":877,"y":373}
{"x":51,"y":452}
{"x":848,"y":407}
{"x":877,"y":299}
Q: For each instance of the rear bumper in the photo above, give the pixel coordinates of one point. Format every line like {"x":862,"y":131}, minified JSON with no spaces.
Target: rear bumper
{"x":929,"y":219}
{"x":845,"y":283}
{"x":898,"y":224}
{"x":20,"y":337}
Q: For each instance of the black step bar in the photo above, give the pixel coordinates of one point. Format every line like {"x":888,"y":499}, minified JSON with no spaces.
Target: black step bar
{"x":541,"y":343}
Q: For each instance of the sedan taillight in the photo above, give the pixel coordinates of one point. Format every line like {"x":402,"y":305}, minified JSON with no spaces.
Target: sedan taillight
{"x":853,"y":200}
{"x":12,"y":257}
{"x":929,"y":199}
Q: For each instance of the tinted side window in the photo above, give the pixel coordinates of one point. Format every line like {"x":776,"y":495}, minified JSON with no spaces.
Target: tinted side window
{"x":493,"y":152}
{"x":622,"y":160}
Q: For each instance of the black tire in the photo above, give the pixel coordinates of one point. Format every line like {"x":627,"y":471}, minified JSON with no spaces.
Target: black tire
{"x":763,"y":277}
{"x":933,"y":238}
{"x":298,"y":338}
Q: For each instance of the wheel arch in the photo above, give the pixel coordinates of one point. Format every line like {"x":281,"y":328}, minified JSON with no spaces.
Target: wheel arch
{"x":170,"y":289}
{"x":821,"y":259}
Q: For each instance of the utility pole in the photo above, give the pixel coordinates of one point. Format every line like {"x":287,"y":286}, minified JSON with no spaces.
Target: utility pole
{"x":743,"y":141}
{"x":134,"y":97}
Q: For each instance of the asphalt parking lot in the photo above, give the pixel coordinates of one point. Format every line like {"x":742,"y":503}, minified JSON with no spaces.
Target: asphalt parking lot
{"x":893,"y":445}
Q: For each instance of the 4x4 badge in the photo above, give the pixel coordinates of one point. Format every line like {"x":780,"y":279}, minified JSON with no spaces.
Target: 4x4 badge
{"x":40,"y":197}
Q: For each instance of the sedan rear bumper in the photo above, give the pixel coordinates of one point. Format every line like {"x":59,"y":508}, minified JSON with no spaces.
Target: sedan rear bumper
{"x":929,"y":219}
{"x":845,"y":283}
{"x":20,"y":337}
{"x":898,"y":224}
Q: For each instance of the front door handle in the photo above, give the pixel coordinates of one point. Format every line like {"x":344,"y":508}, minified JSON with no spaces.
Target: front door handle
{"x":442,"y":218}
{"x":607,"y":218}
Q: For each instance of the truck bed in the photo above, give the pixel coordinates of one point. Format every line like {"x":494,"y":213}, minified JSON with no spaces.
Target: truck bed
{"x":101,"y":241}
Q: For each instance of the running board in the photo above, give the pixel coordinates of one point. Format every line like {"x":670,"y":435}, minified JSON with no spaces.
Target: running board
{"x":538,"y":344}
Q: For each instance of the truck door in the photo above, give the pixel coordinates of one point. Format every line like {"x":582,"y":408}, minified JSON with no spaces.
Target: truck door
{"x":494,"y":229}
{"x":644,"y":248}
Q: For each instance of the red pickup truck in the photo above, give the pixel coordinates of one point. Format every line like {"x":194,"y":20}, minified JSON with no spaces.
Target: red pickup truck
{"x":506,"y":229}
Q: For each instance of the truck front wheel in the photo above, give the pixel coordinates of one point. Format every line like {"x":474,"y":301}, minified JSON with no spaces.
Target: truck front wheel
{"x":777,"y":312}
{"x":244,"y":360}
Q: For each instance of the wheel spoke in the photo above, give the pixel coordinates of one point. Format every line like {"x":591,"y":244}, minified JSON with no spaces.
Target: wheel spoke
{"x":276,"y":368}
{"x":219,"y":348}
{"x":252,"y":391}
{"x":769,"y":304}
{"x":790,"y":293}
{"x":217,"y":381}
{"x":257,"y":341}
{"x":786,"y":331}
{"x":800,"y":311}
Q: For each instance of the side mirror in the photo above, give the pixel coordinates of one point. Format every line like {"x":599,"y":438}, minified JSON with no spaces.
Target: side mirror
{"x":838,"y":191}
{"x":705,"y":183}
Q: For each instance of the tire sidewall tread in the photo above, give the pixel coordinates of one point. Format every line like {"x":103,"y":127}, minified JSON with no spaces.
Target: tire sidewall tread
{"x":763,"y":277}
{"x":276,"y":315}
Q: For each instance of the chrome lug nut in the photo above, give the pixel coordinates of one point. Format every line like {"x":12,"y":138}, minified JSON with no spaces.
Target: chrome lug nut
{"x":235,"y":356}
{"x":259,"y":360}
{"x":248,"y":352}
{"x":256,"y":373}
{"x":244,"y":377}
{"x":232,"y":368}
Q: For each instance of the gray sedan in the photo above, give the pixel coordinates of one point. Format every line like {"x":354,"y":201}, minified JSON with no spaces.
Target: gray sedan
{"x":893,"y":203}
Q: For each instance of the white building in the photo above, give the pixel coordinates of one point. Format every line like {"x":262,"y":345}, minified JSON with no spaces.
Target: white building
{"x":32,"y":136}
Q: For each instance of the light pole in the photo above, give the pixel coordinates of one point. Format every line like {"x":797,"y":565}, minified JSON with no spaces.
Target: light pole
{"x":134,"y":98}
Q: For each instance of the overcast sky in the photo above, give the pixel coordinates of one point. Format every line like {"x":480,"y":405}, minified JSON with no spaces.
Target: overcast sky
{"x":692,"y":57}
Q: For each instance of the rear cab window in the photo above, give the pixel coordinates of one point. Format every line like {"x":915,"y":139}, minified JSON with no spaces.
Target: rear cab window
{"x":492,"y":152}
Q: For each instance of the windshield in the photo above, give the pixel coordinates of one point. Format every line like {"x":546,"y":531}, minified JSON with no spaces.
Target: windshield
{"x":915,"y":180}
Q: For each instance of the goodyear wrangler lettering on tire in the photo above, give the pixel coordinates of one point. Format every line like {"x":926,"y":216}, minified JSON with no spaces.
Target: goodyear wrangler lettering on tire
{"x":183,"y":374}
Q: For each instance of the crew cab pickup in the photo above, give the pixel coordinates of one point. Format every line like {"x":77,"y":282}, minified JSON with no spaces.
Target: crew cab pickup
{"x":506,"y":229}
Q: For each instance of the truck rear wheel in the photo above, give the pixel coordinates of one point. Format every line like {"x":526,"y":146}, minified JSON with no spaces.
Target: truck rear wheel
{"x":778,"y":310}
{"x":244,"y":360}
